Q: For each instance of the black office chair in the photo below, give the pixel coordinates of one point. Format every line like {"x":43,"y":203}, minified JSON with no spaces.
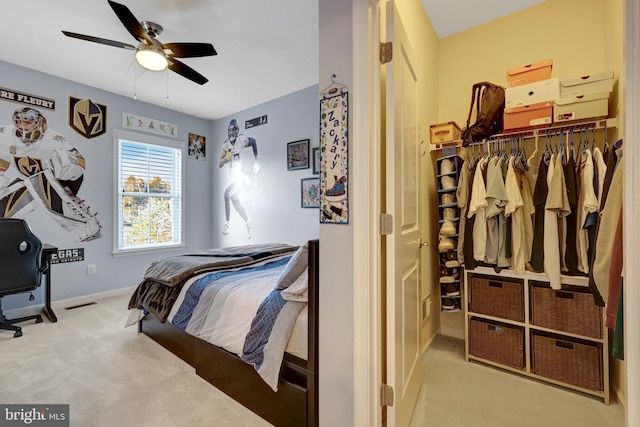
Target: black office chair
{"x":20,"y":266}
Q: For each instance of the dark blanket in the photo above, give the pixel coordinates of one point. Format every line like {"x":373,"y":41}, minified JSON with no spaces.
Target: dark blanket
{"x":164,"y":278}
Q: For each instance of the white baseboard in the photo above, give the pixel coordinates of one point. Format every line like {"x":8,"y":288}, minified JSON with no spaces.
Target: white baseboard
{"x":70,"y":302}
{"x":452,"y":332}
{"x":86,"y":299}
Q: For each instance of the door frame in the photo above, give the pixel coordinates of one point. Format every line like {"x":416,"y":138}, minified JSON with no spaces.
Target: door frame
{"x":632,"y":212}
{"x":367,"y":247}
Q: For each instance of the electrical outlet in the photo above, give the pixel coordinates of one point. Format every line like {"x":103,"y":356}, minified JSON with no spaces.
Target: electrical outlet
{"x":91,"y":269}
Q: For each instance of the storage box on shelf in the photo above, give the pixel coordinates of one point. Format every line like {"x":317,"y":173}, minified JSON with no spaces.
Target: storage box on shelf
{"x":585,"y":85}
{"x":560,"y":333}
{"x":533,"y":93}
{"x":444,"y":132}
{"x":578,"y":107}
{"x":447,"y":171}
{"x":529,"y":73}
{"x":528,"y":116}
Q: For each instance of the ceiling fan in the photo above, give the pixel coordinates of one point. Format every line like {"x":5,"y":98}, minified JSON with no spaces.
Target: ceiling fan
{"x":150,"y":53}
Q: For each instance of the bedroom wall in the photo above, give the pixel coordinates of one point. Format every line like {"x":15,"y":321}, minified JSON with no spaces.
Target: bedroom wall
{"x":291,"y":117}
{"x":272,"y":199}
{"x":70,"y":280}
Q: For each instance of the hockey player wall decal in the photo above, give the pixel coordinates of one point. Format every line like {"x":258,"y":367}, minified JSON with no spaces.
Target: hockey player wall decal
{"x":39,"y":167}
{"x":231,"y":155}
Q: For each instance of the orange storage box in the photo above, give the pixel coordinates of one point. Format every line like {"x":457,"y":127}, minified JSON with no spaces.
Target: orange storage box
{"x":529,"y":73}
{"x":528,"y":116}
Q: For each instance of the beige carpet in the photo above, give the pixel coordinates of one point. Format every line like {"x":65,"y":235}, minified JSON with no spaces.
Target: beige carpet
{"x":108,"y":374}
{"x":114,"y":376}
{"x":456,"y":393}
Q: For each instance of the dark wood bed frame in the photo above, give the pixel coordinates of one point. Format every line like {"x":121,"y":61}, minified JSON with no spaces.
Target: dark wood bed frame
{"x":296,"y":401}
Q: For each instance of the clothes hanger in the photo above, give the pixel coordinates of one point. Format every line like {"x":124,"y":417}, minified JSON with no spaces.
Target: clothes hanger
{"x":333,"y":88}
{"x":573,"y":149}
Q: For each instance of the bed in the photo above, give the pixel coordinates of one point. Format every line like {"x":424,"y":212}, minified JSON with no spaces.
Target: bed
{"x":197,"y":306}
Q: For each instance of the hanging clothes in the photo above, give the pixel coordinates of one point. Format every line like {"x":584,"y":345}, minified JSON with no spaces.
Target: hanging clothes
{"x":528,"y":211}
{"x":611,"y":160}
{"x":494,"y":214}
{"x":571,"y":253}
{"x":556,"y":208}
{"x":469,"y":261}
{"x":539,"y":200}
{"x":462,"y":195}
{"x":606,"y":233}
{"x":514,"y":210}
{"x":587,"y":203}
{"x":615,"y":274}
{"x":477,"y":207}
{"x":618,"y":334}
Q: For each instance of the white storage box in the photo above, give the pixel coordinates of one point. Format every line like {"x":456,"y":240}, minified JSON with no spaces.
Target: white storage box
{"x":534,"y":93}
{"x":589,"y":106}
{"x":596,"y":83}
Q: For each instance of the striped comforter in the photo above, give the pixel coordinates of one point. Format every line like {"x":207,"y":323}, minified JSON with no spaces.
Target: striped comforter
{"x":240,"y":311}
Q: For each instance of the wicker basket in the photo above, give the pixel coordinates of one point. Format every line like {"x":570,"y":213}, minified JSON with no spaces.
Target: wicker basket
{"x":568,"y":311}
{"x":568,"y":361}
{"x":499,"y":298}
{"x":497,"y":342}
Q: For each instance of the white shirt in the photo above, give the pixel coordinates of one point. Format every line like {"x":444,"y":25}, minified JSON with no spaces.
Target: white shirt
{"x":477,"y":206}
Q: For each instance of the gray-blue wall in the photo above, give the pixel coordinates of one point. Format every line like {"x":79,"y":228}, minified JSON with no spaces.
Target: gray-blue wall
{"x":290,"y":117}
{"x":273,"y":197}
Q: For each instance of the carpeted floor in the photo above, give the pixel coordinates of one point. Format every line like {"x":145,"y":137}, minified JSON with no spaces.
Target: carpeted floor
{"x":109,"y":375}
{"x":456,"y":393}
{"x":114,"y":376}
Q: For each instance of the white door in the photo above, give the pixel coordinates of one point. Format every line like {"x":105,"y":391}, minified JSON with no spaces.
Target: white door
{"x":402,"y":185}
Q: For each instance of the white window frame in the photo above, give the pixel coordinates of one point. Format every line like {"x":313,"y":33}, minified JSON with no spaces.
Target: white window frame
{"x":118,"y":135}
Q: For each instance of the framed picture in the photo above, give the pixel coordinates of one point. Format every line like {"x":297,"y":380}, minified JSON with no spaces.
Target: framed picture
{"x":298,"y":155}
{"x":310,"y":192}
{"x":316,"y":160}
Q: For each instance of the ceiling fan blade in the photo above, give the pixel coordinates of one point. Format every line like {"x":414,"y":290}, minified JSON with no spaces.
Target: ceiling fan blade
{"x":185,"y":71}
{"x":190,"y":50}
{"x":130,"y":22}
{"x":99,"y":40}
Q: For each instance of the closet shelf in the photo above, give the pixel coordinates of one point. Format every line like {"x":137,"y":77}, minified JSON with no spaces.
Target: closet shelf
{"x":608,"y":123}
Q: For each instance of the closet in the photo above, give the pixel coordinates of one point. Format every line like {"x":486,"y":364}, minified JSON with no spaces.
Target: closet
{"x":515,"y":40}
{"x":515,"y":317}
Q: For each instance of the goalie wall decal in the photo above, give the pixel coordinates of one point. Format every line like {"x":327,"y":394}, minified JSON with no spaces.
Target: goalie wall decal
{"x":40,"y":168}
{"x":87,"y":117}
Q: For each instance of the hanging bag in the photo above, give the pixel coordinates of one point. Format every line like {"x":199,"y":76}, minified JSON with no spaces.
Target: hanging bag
{"x":489,"y":112}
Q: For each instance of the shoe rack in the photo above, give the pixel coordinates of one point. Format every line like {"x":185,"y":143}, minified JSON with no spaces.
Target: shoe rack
{"x":447,"y":173}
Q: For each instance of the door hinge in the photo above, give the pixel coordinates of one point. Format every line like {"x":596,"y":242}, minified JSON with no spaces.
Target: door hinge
{"x":386,"y":224}
{"x":386,"y":52}
{"x":386,"y":395}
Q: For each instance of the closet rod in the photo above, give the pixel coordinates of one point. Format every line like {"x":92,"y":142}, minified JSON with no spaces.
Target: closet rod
{"x":532,"y":133}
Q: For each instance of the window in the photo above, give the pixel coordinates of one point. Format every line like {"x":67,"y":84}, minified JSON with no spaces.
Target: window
{"x":149,"y":192}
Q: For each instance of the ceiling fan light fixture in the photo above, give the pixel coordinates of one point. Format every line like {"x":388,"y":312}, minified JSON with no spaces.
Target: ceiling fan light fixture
{"x":151,"y":58}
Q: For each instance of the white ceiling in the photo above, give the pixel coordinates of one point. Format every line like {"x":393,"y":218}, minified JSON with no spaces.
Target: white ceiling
{"x":452,"y":16}
{"x":266,"y":49}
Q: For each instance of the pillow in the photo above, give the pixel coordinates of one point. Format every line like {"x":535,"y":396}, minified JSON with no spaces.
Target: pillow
{"x":298,"y":290}
{"x":297,"y":264}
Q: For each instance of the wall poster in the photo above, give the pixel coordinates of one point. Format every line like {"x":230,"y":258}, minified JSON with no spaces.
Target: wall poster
{"x":333,"y":159}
